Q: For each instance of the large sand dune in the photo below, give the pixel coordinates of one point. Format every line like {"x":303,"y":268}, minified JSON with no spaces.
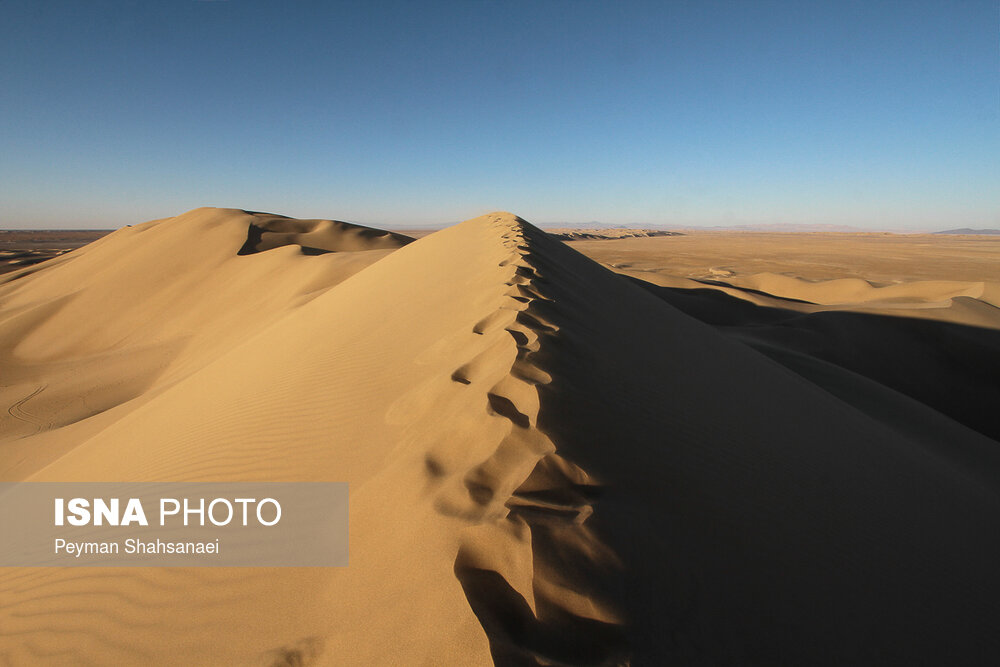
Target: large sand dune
{"x":549,"y":463}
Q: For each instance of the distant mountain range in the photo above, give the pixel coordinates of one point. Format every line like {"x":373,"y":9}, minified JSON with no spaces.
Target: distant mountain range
{"x":773,"y":227}
{"x":966,"y":230}
{"x":789,"y":227}
{"x":604,"y":233}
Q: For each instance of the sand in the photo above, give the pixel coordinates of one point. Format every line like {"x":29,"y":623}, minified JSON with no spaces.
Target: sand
{"x":22,"y":248}
{"x":550,"y":463}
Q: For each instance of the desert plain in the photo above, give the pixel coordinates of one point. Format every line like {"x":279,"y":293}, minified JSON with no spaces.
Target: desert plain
{"x":699,"y":449}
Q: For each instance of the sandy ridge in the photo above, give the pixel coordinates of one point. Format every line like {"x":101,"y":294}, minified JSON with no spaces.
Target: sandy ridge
{"x":532,"y":607}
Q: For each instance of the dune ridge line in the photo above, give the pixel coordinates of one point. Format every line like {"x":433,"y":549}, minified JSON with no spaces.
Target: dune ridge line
{"x":531,"y":606}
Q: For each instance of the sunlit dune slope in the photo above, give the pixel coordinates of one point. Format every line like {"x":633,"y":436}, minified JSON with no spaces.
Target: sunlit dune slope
{"x":112,"y":322}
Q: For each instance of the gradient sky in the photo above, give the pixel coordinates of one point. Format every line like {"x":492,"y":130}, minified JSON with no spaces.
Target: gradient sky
{"x":873,"y":114}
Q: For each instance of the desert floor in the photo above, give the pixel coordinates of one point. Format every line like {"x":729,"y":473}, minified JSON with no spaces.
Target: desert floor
{"x":20,"y":248}
{"x":880,"y":258}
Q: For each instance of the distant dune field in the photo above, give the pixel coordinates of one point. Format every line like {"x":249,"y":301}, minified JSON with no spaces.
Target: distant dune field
{"x":20,"y":248}
{"x":752,"y":449}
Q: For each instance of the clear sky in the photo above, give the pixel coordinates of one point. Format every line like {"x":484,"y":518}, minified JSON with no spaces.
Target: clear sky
{"x":874,"y":114}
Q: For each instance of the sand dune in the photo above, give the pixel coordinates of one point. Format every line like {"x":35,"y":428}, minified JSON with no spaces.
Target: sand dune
{"x":960,"y":302}
{"x":549,"y":463}
{"x":112,"y":321}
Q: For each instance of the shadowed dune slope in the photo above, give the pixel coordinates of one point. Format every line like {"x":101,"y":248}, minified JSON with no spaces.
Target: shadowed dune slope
{"x":548,"y":465}
{"x":269,"y":231}
{"x":949,"y":367}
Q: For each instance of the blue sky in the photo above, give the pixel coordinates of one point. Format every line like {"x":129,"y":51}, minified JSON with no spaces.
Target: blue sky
{"x":873,"y":114}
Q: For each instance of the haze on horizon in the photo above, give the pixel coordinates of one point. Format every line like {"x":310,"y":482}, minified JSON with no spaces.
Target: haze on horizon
{"x":876,"y":115}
